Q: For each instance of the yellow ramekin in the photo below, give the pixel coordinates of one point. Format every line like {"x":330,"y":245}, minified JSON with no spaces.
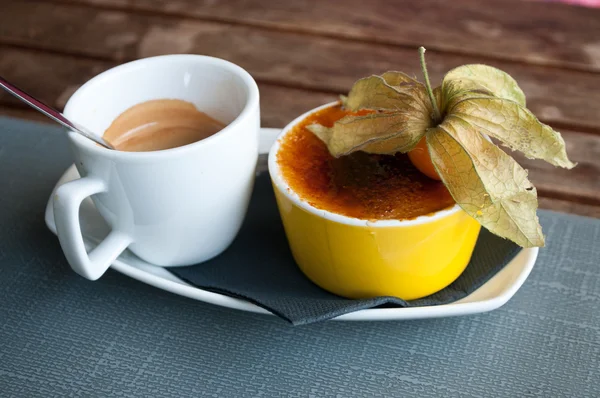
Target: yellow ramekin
{"x":357,"y":258}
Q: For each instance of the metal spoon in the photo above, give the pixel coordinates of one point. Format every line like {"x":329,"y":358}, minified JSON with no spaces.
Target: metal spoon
{"x":52,"y":113}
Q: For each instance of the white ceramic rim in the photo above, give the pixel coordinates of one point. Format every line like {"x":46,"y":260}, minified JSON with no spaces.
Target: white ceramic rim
{"x":252,"y":104}
{"x":285,"y":189}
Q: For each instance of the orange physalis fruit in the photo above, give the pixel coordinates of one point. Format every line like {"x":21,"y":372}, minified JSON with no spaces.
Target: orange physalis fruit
{"x":420,"y":158}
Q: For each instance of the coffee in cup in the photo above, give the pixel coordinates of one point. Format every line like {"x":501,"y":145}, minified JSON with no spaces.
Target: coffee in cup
{"x":160,"y":124}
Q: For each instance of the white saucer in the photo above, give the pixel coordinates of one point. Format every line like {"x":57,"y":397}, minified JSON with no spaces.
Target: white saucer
{"x":493,"y":294}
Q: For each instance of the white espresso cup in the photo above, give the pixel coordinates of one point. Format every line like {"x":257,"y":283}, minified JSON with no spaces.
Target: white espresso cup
{"x":173,"y":207}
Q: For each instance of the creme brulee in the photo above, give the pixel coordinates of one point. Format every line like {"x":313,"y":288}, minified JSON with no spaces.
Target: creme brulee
{"x":361,"y":185}
{"x":160,"y":124}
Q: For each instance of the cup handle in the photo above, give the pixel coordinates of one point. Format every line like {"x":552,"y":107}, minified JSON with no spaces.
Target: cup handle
{"x":67,"y":200}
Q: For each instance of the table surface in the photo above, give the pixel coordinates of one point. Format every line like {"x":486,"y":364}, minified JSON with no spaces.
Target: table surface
{"x":303,"y":53}
{"x":62,"y":335}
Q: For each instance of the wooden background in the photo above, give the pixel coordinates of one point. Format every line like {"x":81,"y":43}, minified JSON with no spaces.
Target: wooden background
{"x":304,"y":53}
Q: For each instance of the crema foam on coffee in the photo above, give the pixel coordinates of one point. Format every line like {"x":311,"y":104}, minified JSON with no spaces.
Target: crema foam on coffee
{"x":160,"y":124}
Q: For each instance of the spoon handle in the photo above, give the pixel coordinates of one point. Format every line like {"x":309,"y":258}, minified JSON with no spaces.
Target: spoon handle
{"x":51,"y":113}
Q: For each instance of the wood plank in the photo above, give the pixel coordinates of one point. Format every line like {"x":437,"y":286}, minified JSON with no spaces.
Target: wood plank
{"x":30,"y":70}
{"x":565,"y":206}
{"x":561,"y":97}
{"x":279,"y":105}
{"x":543,"y":34}
{"x":53,"y":82}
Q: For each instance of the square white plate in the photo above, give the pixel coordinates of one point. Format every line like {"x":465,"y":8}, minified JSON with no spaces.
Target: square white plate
{"x":493,"y":294}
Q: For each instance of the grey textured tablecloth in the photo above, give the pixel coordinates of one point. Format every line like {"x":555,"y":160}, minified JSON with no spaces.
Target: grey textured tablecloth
{"x":61,"y":335}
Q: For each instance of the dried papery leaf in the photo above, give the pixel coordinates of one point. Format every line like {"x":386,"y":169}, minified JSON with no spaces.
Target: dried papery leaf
{"x":353,"y":133}
{"x":499,"y":83}
{"x":401,"y":120}
{"x":487,"y":183}
{"x":322,"y":132}
{"x":374,"y":92}
{"x":453,"y":93}
{"x":515,"y":127}
{"x":398,"y":79}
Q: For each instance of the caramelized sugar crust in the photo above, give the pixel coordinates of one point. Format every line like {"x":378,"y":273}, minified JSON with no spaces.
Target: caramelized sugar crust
{"x":360,"y":185}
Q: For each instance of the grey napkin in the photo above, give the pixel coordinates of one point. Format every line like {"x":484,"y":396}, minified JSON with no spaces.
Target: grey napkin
{"x":259,"y":267}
